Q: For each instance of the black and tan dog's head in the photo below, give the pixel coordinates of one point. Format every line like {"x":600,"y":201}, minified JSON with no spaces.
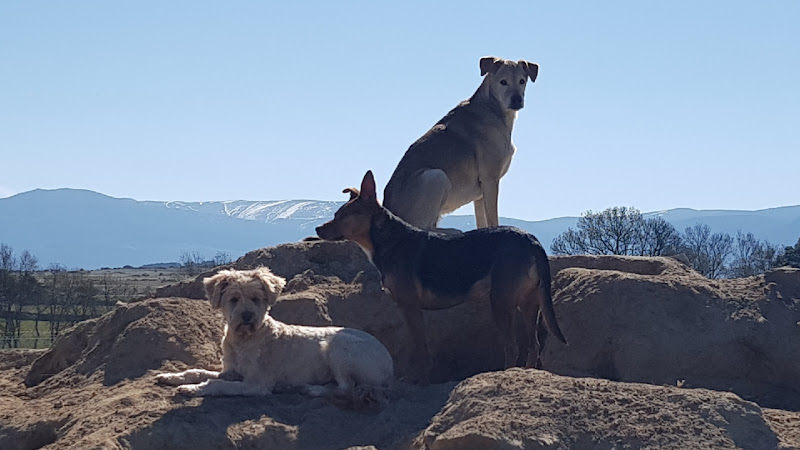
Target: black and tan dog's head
{"x":245,"y":297}
{"x":506,"y":80}
{"x":353,"y":220}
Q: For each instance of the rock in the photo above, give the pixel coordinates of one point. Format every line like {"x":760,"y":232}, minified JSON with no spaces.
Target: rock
{"x":126,"y":343}
{"x":626,"y":319}
{"x":529,"y":409}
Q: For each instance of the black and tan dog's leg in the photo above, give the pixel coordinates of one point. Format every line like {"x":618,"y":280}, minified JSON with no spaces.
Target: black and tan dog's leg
{"x":531,"y":316}
{"x":420,"y":358}
{"x":504,"y":320}
{"x":541,"y":339}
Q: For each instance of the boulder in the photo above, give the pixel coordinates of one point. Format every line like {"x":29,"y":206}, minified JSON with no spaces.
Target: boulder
{"x":670,"y":326}
{"x":530,"y":409}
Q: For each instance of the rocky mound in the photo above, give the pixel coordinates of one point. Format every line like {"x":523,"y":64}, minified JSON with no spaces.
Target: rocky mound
{"x":648,"y":320}
{"x":740,"y":335}
{"x":535,"y":409}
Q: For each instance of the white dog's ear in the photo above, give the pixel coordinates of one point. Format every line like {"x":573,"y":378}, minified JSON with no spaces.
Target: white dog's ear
{"x":273,"y":284}
{"x":490,"y":64}
{"x":532,"y":69}
{"x":215,"y":287}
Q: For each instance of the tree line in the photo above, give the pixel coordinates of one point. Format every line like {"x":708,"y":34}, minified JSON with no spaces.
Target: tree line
{"x":625,"y":231}
{"x":36,"y":305}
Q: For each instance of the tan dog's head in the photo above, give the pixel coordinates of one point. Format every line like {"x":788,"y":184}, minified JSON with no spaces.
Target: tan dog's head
{"x":506,"y":80}
{"x":245,"y":297}
{"x":354,"y":219}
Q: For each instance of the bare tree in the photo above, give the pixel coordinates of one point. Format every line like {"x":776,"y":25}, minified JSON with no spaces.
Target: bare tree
{"x":8,"y":294}
{"x":611,"y":232}
{"x":191,"y":263}
{"x":618,"y":231}
{"x":707,"y":252}
{"x":752,"y":256}
{"x":221,"y":258}
{"x":658,"y":237}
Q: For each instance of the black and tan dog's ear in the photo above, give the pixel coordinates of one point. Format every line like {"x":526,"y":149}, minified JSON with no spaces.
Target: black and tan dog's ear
{"x":352,"y":191}
{"x":368,"y":187}
{"x":532,"y":69}
{"x":273,"y":284}
{"x":215,"y":287}
{"x":490,"y":64}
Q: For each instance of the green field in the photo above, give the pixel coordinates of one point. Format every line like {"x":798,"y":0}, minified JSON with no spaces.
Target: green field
{"x":28,"y":337}
{"x":110,"y":286}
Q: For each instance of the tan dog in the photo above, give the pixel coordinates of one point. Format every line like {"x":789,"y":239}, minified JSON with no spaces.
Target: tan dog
{"x":462,"y":158}
{"x":260,"y":353}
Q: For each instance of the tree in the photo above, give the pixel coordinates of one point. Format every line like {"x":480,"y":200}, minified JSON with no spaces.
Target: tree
{"x":707,"y":252}
{"x":751,"y":256}
{"x":790,"y":256}
{"x":222,"y":258}
{"x":618,"y":231}
{"x":191,"y":263}
{"x":659,"y":237}
{"x":8,"y":294}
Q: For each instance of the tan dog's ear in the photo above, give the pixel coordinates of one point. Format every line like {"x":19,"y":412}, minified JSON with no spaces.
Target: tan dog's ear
{"x":353,"y":192}
{"x":215,"y":287}
{"x":490,"y":64}
{"x":532,"y":69}
{"x":368,"y":187}
{"x":273,"y":284}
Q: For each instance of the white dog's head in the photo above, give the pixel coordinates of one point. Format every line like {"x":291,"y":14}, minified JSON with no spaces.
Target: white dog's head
{"x":506,"y":80}
{"x":245,"y":297}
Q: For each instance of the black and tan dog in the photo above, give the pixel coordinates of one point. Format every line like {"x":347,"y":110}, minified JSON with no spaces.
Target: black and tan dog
{"x":428,"y":271}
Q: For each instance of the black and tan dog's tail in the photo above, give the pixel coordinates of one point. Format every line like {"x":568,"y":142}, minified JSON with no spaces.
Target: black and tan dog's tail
{"x":546,"y":298}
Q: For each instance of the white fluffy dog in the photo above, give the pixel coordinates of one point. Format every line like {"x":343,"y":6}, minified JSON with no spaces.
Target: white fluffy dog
{"x":260,"y":353}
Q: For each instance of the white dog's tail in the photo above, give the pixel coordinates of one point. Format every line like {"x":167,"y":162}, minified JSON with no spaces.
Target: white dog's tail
{"x":361,"y":398}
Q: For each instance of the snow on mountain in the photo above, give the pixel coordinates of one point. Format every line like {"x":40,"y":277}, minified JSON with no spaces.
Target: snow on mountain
{"x":305,"y":213}
{"x":85,"y":229}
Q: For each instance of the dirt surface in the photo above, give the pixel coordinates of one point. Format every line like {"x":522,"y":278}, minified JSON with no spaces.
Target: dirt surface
{"x":650,"y":322}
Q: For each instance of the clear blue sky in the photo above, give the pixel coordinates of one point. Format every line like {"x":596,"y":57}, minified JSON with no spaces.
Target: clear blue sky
{"x":655,"y":105}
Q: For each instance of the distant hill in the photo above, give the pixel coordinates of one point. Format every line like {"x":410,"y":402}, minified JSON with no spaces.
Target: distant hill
{"x":85,"y":229}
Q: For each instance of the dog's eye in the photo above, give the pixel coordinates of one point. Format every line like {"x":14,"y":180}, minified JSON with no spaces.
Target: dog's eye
{"x":503,"y":82}
{"x":522,"y":81}
{"x":234,"y":300}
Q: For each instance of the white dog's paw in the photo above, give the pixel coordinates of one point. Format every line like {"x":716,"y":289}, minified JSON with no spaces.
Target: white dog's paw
{"x":172,"y":379}
{"x":190,"y":390}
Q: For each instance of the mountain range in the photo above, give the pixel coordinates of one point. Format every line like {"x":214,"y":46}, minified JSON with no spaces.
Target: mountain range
{"x":86,"y":229}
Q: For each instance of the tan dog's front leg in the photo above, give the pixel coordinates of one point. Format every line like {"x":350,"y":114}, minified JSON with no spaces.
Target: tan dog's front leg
{"x":480,"y":213}
{"x":491,"y":190}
